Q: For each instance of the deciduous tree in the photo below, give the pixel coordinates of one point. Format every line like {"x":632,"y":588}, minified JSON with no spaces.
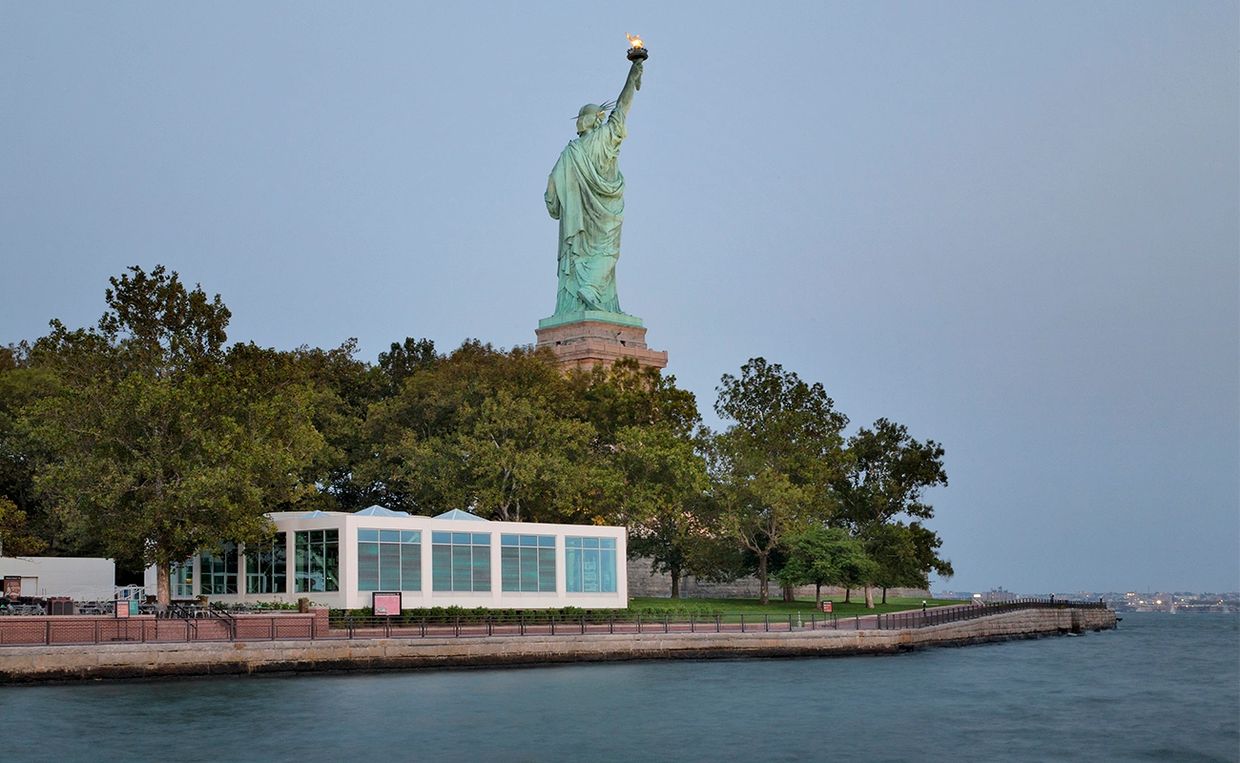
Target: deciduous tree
{"x":162,"y":449}
{"x":775,"y":464}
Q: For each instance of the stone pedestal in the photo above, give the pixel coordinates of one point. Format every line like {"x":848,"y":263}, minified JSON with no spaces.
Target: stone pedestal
{"x":583,"y":341}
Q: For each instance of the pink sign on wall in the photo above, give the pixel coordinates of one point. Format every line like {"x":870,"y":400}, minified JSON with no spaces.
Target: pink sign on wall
{"x":386,"y":603}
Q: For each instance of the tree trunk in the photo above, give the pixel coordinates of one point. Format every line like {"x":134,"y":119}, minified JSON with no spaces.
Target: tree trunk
{"x":764,"y":590}
{"x":790,"y":594}
{"x":163,"y":585}
{"x":847,"y":594}
{"x":675,"y":575}
{"x":817,"y":595}
{"x":869,"y":597}
{"x":884,"y":594}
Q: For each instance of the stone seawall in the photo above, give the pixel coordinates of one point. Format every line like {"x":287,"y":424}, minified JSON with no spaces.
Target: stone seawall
{"x":134,"y":660}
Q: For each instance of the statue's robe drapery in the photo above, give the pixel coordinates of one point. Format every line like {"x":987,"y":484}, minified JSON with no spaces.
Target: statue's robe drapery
{"x":586,"y":194}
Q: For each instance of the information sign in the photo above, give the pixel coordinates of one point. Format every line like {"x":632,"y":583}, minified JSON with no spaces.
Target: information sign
{"x":386,"y":603}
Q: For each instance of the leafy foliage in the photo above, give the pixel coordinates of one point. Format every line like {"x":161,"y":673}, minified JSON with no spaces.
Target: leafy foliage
{"x":776,"y":463}
{"x":146,"y":438}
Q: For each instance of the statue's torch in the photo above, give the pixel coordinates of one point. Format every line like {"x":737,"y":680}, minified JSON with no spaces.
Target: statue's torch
{"x":637,"y":50}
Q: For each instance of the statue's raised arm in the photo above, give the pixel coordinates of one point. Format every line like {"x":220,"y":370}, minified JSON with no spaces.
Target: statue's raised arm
{"x":632,"y":84}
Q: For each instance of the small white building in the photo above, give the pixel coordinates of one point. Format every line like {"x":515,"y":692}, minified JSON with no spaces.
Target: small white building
{"x":338,"y":559}
{"x":80,"y":578}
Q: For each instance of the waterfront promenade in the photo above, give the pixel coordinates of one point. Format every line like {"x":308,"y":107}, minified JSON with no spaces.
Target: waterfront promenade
{"x":371,"y":647}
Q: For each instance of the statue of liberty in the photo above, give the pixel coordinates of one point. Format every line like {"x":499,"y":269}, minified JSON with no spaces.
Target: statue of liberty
{"x":586,"y":194}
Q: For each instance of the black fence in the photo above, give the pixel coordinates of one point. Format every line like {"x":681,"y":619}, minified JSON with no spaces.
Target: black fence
{"x":925,"y":618}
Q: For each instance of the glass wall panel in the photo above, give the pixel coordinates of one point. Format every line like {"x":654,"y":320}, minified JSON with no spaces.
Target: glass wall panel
{"x":527,"y":563}
{"x":181,"y":575}
{"x":266,"y":567}
{"x":441,"y":567}
{"x":219,"y":571}
{"x":389,"y":560}
{"x":411,"y":566}
{"x":590,"y":565}
{"x":367,"y":566}
{"x":317,"y":560}
{"x":460,"y":561}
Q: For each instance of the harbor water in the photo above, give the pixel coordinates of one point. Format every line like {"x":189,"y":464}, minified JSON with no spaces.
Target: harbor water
{"x":1160,"y":687}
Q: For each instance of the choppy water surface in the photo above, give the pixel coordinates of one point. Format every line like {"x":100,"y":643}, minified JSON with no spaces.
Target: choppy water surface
{"x":1162,"y":687}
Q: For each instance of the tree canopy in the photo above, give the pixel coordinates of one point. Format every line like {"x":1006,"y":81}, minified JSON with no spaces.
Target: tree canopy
{"x":148,"y":438}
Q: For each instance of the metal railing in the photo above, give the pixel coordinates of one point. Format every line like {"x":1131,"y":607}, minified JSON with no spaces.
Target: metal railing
{"x":925,"y":618}
{"x":217,"y":625}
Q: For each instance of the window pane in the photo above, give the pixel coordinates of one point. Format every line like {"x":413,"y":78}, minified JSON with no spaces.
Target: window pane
{"x":441,"y":537}
{"x":389,"y":566}
{"x":389,"y":536}
{"x":482,"y":569}
{"x":572,"y":570}
{"x":410,"y":536}
{"x":509,"y":565}
{"x":482,"y":539}
{"x":331,"y":562}
{"x":607,"y":566}
{"x":367,"y":535}
{"x":461,"y":568}
{"x":529,"y":540}
{"x":546,"y":569}
{"x":279,"y":564}
{"x":607,"y":543}
{"x":411,"y":567}
{"x":589,"y":570}
{"x":368,"y":566}
{"x":547,"y":541}
{"x":462,"y":538}
{"x":301,"y":562}
{"x":508,"y":540}
{"x":529,"y":569}
{"x":441,"y":568}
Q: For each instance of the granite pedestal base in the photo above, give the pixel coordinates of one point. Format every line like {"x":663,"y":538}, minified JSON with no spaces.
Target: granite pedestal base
{"x":588,"y":343}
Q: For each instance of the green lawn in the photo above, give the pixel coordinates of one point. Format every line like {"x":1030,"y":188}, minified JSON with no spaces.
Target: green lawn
{"x":776,"y":607}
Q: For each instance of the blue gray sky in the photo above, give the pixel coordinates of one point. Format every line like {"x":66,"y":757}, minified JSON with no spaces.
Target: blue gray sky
{"x":1011,"y":226}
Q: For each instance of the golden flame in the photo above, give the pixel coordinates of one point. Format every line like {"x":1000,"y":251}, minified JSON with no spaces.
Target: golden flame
{"x":634,"y":40}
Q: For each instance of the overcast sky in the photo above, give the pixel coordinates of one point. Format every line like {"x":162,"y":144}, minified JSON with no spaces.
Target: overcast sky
{"x":1012,"y":227}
